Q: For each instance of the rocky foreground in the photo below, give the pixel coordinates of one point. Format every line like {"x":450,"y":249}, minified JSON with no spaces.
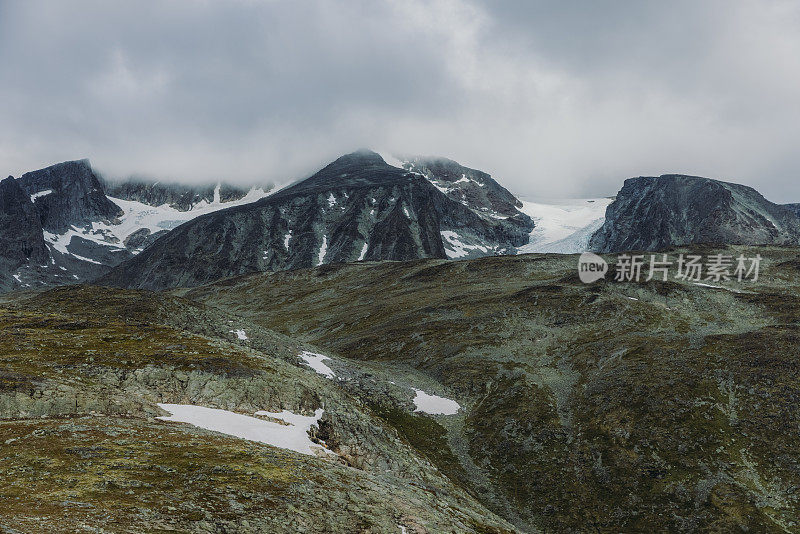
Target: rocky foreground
{"x":611,"y":407}
{"x":82,"y":371}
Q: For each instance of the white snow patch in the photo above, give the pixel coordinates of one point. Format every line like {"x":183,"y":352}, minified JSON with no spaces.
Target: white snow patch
{"x":465,"y":180}
{"x":17,"y":278}
{"x":455,"y":248}
{"x":240,"y":334}
{"x":331,"y":201}
{"x":563,"y":226}
{"x":438,"y":186}
{"x":40,"y":194}
{"x":402,"y":529}
{"x":405,"y":210}
{"x":82,"y":258}
{"x":434,"y":405}
{"x":702,"y":284}
{"x":156,"y":218}
{"x":363,"y":251}
{"x":286,"y":239}
{"x":323,"y":249}
{"x":60,"y":242}
{"x":293,"y":436}
{"x":315,"y":360}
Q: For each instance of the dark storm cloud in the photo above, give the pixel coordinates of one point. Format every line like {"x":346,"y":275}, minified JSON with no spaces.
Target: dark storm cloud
{"x":553,"y":98}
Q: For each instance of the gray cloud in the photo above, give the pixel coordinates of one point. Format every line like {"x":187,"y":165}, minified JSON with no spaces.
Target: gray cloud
{"x":554,"y":98}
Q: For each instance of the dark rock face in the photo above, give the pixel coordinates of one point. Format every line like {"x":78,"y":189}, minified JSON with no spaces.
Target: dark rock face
{"x":178,"y":196}
{"x":356,"y":208}
{"x":656,"y":213}
{"x":103,"y":255}
{"x":76,"y":196}
{"x":21,"y":237}
{"x":470,"y":187}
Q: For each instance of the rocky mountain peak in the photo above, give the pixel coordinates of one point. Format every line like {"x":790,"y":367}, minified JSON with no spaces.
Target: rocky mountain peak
{"x":356,"y":208}
{"x":68,"y":194}
{"x":362,"y":168}
{"x":654,"y":213}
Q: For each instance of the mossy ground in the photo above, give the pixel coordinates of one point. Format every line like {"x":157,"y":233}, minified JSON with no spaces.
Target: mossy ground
{"x":67,"y":471}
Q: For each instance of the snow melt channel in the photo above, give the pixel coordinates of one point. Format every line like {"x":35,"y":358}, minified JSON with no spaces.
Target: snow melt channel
{"x":292,"y":436}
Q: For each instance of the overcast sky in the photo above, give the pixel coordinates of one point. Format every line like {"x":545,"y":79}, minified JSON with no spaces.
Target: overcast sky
{"x":555,"y":99}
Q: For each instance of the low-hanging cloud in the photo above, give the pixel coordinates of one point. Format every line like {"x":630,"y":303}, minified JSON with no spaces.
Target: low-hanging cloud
{"x":555,"y":99}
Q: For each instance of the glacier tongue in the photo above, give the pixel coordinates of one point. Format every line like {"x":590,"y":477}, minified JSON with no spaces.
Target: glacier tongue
{"x":563,"y":226}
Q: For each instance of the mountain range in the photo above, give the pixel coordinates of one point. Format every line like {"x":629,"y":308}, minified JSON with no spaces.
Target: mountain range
{"x":67,"y":224}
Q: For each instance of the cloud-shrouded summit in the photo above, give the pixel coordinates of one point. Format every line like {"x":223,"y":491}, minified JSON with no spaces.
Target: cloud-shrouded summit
{"x":555,"y":99}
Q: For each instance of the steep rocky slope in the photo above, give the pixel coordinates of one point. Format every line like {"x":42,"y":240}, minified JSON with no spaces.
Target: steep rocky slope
{"x":655,"y":213}
{"x":470,"y":187}
{"x":613,"y":407}
{"x":68,"y":194}
{"x":82,"y":374}
{"x":21,"y":236}
{"x":356,"y":208}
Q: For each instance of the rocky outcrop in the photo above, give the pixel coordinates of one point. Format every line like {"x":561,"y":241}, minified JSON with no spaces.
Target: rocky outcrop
{"x":654,"y":213}
{"x":356,"y":208}
{"x":68,"y":194}
{"x":21,"y":237}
